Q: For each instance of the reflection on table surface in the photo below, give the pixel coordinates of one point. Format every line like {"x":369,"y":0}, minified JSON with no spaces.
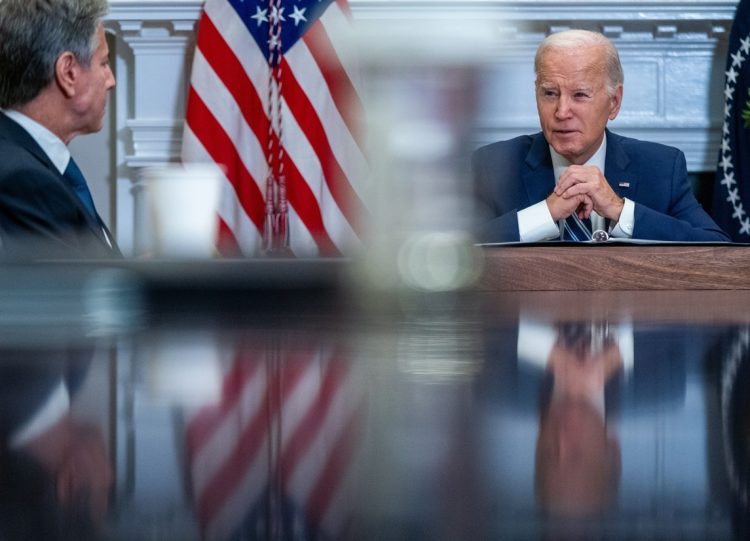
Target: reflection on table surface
{"x":503,"y":416}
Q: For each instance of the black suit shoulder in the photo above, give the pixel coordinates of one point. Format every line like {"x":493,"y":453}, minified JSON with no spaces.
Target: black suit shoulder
{"x":33,"y":199}
{"x":39,"y":214}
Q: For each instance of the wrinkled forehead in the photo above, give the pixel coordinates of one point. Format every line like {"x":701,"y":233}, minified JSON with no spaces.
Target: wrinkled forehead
{"x":577,"y":66}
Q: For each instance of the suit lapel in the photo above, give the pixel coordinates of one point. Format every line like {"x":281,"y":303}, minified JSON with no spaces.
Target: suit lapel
{"x":616,"y":165}
{"x":538,"y":175}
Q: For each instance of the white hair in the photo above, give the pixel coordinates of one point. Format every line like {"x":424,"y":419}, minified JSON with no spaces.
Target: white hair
{"x":576,"y":39}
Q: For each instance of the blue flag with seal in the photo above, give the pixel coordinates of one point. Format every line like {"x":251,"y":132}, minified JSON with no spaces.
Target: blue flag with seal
{"x":731,"y":202}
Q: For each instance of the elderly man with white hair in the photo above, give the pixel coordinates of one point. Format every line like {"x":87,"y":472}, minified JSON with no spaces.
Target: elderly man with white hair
{"x":576,"y":180}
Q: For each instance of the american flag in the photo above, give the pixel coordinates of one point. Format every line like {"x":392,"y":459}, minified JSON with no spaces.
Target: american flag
{"x":274,"y":458}
{"x":272,"y":100}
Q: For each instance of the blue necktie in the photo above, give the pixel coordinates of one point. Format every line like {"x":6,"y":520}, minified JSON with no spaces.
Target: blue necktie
{"x":576,"y":229}
{"x":76,"y":181}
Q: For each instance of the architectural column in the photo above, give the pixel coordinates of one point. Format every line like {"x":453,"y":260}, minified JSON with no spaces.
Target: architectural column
{"x":155,"y":43}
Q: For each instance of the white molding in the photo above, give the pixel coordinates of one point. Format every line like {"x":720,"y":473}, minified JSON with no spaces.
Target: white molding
{"x":552,"y":10}
{"x":159,"y":10}
{"x":517,"y":10}
{"x":153,"y":142}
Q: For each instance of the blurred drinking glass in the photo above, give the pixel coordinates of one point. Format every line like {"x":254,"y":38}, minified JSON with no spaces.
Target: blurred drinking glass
{"x":183,"y":202}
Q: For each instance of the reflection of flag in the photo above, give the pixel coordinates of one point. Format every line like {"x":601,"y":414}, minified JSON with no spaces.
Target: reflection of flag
{"x":275,"y":456}
{"x":298,"y":157}
{"x":732,"y":188}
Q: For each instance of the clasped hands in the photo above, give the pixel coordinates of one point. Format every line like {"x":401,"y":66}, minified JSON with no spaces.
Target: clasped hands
{"x":582,"y":189}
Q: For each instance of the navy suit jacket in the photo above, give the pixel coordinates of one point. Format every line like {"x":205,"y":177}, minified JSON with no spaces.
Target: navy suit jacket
{"x":512,"y":175}
{"x":40,"y":214}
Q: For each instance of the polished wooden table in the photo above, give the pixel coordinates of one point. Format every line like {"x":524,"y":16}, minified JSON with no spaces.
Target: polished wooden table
{"x":268,"y":399}
{"x":615,"y":267}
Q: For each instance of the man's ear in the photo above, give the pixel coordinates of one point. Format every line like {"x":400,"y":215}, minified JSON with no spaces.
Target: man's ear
{"x":615,"y":102}
{"x":66,"y":73}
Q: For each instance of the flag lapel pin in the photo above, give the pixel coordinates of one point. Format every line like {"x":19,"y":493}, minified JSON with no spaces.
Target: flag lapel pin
{"x":624,"y":184}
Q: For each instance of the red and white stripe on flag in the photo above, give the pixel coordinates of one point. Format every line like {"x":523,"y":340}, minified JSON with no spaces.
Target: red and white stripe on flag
{"x":249,"y":53}
{"x":286,"y":428}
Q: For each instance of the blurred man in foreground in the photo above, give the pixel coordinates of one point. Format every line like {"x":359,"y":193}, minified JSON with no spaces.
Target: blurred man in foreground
{"x":54,"y":80}
{"x":576,"y":180}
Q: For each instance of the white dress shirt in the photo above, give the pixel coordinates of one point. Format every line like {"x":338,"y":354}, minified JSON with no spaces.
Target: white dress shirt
{"x":535,"y":222}
{"x":50,"y":143}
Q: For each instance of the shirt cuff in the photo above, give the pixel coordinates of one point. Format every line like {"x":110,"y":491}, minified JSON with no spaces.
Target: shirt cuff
{"x":623,"y":229}
{"x":535,"y":223}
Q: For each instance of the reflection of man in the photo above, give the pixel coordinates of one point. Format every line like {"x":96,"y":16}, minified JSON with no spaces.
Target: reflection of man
{"x":54,"y":80}
{"x":534,"y":186}
{"x":577,"y":459}
{"x":54,"y":470}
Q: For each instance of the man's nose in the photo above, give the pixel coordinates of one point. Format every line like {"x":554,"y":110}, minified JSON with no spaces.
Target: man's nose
{"x":563,"y":107}
{"x":111,"y":82}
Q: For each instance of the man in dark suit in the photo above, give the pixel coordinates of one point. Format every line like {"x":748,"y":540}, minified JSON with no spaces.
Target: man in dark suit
{"x":532,"y":187}
{"x":54,"y":80}
{"x":55,"y":472}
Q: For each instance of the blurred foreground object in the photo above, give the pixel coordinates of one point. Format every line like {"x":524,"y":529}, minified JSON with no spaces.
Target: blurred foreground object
{"x":183,"y":202}
{"x":421,"y":78}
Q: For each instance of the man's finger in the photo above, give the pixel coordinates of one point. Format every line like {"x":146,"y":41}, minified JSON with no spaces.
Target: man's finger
{"x":585,"y":208}
{"x":576,"y":190}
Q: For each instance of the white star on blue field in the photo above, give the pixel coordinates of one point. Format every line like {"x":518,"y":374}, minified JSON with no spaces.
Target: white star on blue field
{"x":293,"y":16}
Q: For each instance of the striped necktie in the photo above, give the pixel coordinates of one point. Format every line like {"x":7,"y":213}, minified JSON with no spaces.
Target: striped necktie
{"x":75,"y":180}
{"x":575,"y":229}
